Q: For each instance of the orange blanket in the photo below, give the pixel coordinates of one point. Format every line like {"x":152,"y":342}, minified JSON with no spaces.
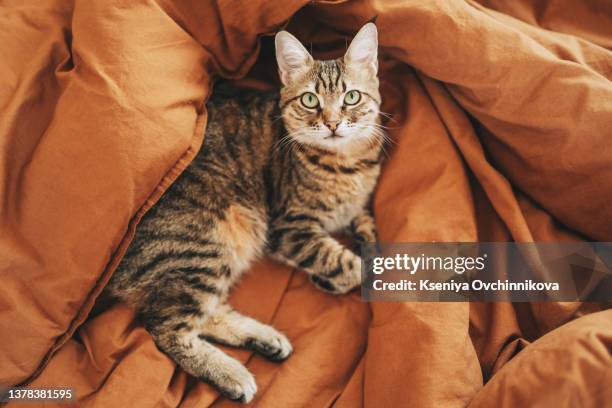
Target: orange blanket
{"x":502,"y":122}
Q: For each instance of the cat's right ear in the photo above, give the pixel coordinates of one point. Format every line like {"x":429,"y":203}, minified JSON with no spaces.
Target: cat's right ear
{"x":291,"y":56}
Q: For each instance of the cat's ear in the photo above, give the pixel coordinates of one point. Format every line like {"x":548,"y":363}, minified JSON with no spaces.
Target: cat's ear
{"x":291,"y":56}
{"x":363,"y":51}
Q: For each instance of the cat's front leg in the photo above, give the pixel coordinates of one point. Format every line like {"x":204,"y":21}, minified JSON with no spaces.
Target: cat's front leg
{"x":363,"y":230}
{"x":301,"y":241}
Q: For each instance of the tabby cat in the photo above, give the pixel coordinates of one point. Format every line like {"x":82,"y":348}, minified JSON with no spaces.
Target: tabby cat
{"x":258,"y":185}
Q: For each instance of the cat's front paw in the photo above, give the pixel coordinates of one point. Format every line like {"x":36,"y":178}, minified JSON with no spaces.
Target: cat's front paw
{"x":344,"y":278}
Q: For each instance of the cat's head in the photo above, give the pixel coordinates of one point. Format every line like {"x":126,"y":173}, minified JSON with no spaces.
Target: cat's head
{"x":332,"y":104}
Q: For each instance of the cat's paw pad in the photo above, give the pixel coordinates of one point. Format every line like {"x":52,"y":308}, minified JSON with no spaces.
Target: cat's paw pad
{"x":274,"y":346}
{"x":236,"y":383}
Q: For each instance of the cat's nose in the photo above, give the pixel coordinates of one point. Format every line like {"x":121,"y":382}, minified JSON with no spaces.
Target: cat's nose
{"x":332,"y":125}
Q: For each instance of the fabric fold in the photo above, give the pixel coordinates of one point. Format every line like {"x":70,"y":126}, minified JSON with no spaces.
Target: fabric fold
{"x":500,"y":119}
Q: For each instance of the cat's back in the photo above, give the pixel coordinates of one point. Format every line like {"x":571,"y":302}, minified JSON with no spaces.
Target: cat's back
{"x":242,"y":128}
{"x":219,"y":200}
{"x":241,"y":117}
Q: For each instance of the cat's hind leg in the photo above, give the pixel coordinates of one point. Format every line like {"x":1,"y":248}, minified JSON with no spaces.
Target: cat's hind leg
{"x":175,"y":320}
{"x":229,"y":327}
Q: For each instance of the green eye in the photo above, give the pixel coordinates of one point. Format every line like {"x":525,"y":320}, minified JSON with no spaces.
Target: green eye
{"x":352,"y":97}
{"x":309,"y":100}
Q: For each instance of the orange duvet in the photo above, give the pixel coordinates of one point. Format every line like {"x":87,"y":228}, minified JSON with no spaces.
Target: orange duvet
{"x":501,"y":116}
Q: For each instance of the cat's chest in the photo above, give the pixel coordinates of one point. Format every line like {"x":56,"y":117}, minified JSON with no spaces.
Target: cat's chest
{"x":346,"y":199}
{"x":342,"y":215}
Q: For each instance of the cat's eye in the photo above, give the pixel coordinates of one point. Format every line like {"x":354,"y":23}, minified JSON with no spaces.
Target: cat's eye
{"x":310,"y":100}
{"x":352,"y":97}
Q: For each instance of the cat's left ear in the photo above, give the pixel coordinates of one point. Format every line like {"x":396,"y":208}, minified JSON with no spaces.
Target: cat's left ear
{"x":363,"y":51}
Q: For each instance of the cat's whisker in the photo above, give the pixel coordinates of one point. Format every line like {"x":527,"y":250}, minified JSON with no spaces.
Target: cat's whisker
{"x":378,"y":132}
{"x":388,"y":116}
{"x":379,"y":129}
{"x":288,"y":138}
{"x":378,"y":125}
{"x":281,"y":142}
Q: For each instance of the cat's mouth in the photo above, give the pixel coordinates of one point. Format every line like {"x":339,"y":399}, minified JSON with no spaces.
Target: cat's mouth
{"x":333,"y":136}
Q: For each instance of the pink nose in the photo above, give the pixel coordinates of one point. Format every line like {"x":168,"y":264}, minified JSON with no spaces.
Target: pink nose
{"x":332,"y":126}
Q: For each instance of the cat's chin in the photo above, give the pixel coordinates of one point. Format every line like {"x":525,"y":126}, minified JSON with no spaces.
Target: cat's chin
{"x":343,"y":145}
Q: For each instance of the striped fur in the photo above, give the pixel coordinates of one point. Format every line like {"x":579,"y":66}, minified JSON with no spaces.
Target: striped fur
{"x":258,"y":185}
